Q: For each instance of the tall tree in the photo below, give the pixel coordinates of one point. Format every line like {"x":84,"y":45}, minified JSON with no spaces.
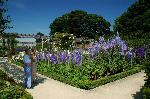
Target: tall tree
{"x":135,"y":22}
{"x":4,"y":19}
{"x":80,"y":23}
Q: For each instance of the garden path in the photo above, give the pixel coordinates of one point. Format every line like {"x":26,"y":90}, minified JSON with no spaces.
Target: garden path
{"x":46,"y":88}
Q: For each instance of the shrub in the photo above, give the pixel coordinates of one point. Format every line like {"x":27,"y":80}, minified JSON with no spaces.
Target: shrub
{"x":146,"y":90}
{"x":9,"y":89}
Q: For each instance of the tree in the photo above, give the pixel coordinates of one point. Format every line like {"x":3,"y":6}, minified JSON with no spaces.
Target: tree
{"x":11,"y":44}
{"x":4,"y":19}
{"x":135,"y":22}
{"x":39,"y":40}
{"x":79,"y":23}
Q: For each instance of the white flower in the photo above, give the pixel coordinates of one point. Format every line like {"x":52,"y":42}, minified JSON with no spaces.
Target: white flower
{"x":68,"y":51}
{"x":17,"y":58}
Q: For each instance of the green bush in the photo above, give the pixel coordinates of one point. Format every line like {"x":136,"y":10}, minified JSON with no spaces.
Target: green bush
{"x":146,"y":90}
{"x":146,"y":93}
{"x":9,"y":89}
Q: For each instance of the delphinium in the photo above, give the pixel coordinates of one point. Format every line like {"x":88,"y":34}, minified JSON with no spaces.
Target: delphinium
{"x":146,"y":50}
{"x":54,"y":59}
{"x":140,"y":52}
{"x":72,"y":57}
{"x":39,"y":56}
{"x":77,"y":57}
{"x":60,"y":56}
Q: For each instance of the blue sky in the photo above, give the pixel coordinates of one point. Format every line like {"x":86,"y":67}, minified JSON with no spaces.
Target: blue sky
{"x":32,"y":16}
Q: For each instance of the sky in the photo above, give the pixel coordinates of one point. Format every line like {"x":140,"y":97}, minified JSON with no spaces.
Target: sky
{"x":33,"y":16}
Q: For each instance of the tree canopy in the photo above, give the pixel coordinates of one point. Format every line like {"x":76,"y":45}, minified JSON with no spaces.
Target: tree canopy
{"x":80,"y":24}
{"x":40,"y":39}
{"x":4,"y":19}
{"x":135,"y":22}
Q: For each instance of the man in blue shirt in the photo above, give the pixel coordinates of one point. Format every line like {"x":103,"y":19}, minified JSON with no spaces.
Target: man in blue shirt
{"x":27,"y":68}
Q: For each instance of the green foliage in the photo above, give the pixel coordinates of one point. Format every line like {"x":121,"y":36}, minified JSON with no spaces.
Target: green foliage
{"x":18,"y":62}
{"x":4,"y":19}
{"x":146,"y":90}
{"x":80,"y":24}
{"x":40,"y":39}
{"x":2,"y":48}
{"x":133,"y":43}
{"x":64,"y":40}
{"x":146,"y":93}
{"x":9,"y":89}
{"x":135,"y":22}
{"x":95,"y":83}
{"x":82,"y":76}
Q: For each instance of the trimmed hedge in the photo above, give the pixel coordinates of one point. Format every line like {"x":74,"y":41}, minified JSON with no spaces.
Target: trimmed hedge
{"x":146,"y":92}
{"x":9,"y":89}
{"x":88,"y":84}
{"x":146,"y":89}
{"x":92,"y":84}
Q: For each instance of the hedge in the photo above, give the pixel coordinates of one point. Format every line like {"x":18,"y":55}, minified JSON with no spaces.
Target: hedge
{"x":89,"y":84}
{"x":146,"y":89}
{"x":9,"y":89}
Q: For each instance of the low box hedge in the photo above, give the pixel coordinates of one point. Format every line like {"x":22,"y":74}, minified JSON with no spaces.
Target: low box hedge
{"x":88,"y":84}
{"x":9,"y":89}
{"x":95,"y":83}
{"x":146,"y":89}
{"x":146,"y":92}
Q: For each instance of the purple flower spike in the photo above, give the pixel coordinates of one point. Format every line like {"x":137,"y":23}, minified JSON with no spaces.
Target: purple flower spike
{"x":55,"y":60}
{"x":72,"y":57}
{"x":66,"y":57}
{"x":39,"y":57}
{"x":121,"y":53}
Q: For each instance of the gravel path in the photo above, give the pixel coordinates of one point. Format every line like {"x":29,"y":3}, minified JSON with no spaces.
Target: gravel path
{"x":46,"y":88}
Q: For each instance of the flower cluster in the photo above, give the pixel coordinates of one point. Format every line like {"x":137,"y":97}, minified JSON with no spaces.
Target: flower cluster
{"x":96,"y":48}
{"x":140,"y":52}
{"x":39,"y":56}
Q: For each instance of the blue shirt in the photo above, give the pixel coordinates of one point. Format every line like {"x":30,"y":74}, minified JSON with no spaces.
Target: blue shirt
{"x":27,"y":59}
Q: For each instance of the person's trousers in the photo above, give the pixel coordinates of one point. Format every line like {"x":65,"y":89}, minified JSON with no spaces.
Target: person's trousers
{"x":33,"y":71}
{"x":27,"y":70}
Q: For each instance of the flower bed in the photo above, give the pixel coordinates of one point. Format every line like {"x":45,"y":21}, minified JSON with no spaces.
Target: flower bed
{"x":79,"y":82}
{"x":9,"y":89}
{"x":103,"y":62}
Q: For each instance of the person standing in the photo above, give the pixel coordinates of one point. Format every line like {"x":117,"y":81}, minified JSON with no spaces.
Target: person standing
{"x":27,"y":68}
{"x":34,"y":66}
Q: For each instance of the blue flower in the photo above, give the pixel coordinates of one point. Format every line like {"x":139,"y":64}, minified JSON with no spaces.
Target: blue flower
{"x":39,"y":57}
{"x":121,"y":53}
{"x":72,"y":57}
{"x":129,"y":55}
{"x":66,"y":57}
